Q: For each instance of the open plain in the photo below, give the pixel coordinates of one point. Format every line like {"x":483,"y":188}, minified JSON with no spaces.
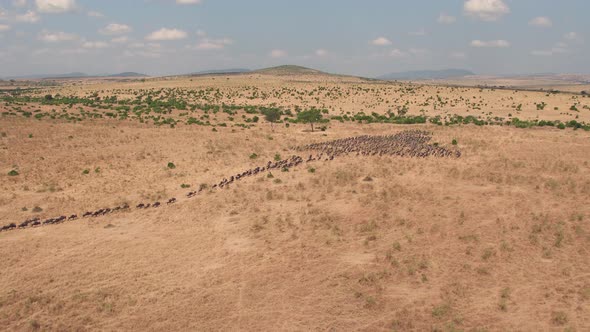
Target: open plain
{"x":494,"y":237}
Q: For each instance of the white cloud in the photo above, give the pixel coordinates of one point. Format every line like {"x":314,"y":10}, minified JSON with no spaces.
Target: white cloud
{"x":486,"y":10}
{"x":381,"y":41}
{"x":95,"y":14}
{"x":278,"y":53}
{"x":28,"y":17}
{"x":397,"y":53}
{"x":491,"y":43}
{"x":443,"y":18}
{"x":213,"y":44}
{"x":321,"y":52}
{"x":120,"y":40}
{"x":572,"y":36}
{"x":19,"y":3}
{"x":458,"y":55}
{"x":4,"y":27}
{"x":55,"y":6}
{"x":541,"y":21}
{"x":418,"y":51}
{"x":166,"y":34}
{"x":188,"y":2}
{"x":73,"y":51}
{"x":136,"y":45}
{"x":115,"y":29}
{"x":96,"y":44}
{"x":420,"y":32}
{"x":55,"y":37}
{"x":558,"y":49}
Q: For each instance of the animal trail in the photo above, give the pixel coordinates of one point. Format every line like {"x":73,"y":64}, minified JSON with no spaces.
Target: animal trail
{"x":409,"y":143}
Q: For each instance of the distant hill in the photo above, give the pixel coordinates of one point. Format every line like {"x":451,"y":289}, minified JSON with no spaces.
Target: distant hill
{"x":222,"y":71}
{"x":288,"y":70}
{"x":69,"y":75}
{"x":76,"y":75}
{"x":427,"y":74}
{"x":128,"y":74}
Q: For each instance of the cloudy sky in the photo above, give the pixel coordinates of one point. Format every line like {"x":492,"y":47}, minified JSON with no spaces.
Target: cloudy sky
{"x":369,"y":37}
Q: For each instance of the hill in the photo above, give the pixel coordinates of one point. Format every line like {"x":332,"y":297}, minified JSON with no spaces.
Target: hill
{"x":128,"y":74}
{"x":286,"y":70}
{"x":427,"y":74}
{"x":221,"y":71}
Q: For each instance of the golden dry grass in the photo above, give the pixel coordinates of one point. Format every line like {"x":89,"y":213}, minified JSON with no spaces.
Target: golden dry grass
{"x":495,"y":240}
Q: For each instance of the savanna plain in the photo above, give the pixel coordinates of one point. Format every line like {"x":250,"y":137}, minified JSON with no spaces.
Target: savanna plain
{"x":493,"y":237}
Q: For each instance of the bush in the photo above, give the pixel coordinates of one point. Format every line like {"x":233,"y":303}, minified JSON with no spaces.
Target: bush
{"x":37,"y":209}
{"x":277,"y":157}
{"x":13,"y":173}
{"x":253,"y":156}
{"x":561,"y":126}
{"x":171,"y":165}
{"x":184,"y":186}
{"x":454,"y":142}
{"x":86,"y":171}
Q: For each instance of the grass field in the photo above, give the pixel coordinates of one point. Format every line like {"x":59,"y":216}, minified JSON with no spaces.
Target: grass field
{"x":497,"y":239}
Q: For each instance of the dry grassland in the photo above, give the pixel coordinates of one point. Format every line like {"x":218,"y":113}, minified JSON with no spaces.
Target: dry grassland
{"x":495,"y":240}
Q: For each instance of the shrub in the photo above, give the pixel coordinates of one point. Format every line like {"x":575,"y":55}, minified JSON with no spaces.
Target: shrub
{"x":277,"y":157}
{"x":311,"y":170}
{"x":310,"y":116}
{"x":13,"y":173}
{"x":253,"y":156}
{"x":37,"y":209}
{"x":171,"y":165}
{"x":86,"y":171}
{"x":184,"y":186}
{"x":559,"y":318}
{"x":561,"y":126}
{"x":454,"y":142}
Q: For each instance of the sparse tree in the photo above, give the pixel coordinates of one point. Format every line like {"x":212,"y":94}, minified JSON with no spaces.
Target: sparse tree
{"x":272,"y":115}
{"x":310,"y":116}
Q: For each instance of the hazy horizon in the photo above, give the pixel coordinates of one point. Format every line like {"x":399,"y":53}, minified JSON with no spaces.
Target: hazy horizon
{"x":372,"y":38}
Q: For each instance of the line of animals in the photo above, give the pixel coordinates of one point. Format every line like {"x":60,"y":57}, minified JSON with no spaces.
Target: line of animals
{"x":409,"y":143}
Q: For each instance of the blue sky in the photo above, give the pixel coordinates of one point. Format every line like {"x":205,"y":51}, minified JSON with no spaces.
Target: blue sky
{"x":368,"y":38}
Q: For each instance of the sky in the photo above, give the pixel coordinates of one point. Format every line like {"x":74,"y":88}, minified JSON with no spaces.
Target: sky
{"x":365,"y":38}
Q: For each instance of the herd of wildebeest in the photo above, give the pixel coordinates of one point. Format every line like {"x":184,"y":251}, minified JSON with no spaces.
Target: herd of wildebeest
{"x":409,"y":143}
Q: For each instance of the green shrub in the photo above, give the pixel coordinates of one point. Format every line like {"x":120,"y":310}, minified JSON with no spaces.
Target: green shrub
{"x":13,"y":173}
{"x":171,"y":165}
{"x":277,"y":157}
{"x":253,"y":156}
{"x":184,"y":186}
{"x":454,"y":142}
{"x":86,"y":171}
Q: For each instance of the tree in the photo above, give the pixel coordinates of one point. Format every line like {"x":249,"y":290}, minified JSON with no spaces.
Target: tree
{"x":272,"y":115}
{"x":310,"y":116}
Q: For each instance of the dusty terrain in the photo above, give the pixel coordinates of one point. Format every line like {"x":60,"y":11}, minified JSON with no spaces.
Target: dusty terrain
{"x":495,"y":240}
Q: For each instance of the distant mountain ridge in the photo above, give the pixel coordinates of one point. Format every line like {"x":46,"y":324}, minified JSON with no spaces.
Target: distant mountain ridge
{"x":75,"y":75}
{"x":221,"y":71}
{"x":427,"y":74}
{"x":288,"y":70}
